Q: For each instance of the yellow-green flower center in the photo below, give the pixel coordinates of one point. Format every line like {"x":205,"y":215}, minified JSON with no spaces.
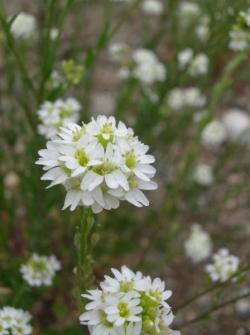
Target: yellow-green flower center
{"x":130,"y":159}
{"x":104,"y":168}
{"x":106,"y":135}
{"x":81,"y":157}
{"x":77,"y":133}
{"x":123,"y":310}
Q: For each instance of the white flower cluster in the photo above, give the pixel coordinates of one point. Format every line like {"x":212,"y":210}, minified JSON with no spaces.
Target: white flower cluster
{"x":191,"y":97}
{"x":128,"y":304}
{"x":203,"y":174}
{"x":198,"y":246}
{"x":40,"y":270}
{"x":195,"y":65}
{"x":152,"y":7}
{"x":202,"y":30}
{"x":188,"y":11}
{"x":239,"y":36}
{"x":224,"y":266}
{"x":142,"y":64}
{"x":236,"y":122}
{"x":213,"y":134}
{"x":14,"y":321}
{"x":53,"y":115}
{"x":99,"y":164}
{"x":24,"y":26}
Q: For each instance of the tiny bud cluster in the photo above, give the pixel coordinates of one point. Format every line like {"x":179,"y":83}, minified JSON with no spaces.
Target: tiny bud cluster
{"x":128,"y":303}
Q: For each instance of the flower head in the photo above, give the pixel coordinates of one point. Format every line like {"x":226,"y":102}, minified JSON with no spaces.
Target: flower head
{"x":14,"y":321}
{"x":191,"y":97}
{"x":23,"y":26}
{"x":53,"y":115}
{"x":203,"y":174}
{"x":40,"y":270}
{"x":99,"y":164}
{"x":198,"y":246}
{"x":152,"y":7}
{"x":236,"y":122}
{"x":223,"y":267}
{"x":213,"y":134}
{"x":128,"y":303}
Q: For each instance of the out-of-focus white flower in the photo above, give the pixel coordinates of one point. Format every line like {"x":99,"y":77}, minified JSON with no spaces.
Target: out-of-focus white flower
{"x":99,"y":164}
{"x":223,"y":267}
{"x":199,"y":65}
{"x":198,"y":246}
{"x":128,"y":303}
{"x":148,"y":69}
{"x":53,"y":115}
{"x":14,"y":321}
{"x":186,"y":98}
{"x":152,"y":7}
{"x":245,"y":17}
{"x":202,"y":29}
{"x":40,"y":270}
{"x":236,"y":122}
{"x":24,"y":26}
{"x":213,"y":134}
{"x":239,"y":39}
{"x":118,"y":51}
{"x":185,"y":57}
{"x":188,"y":11}
{"x":203,"y":174}
{"x":54,"y":33}
{"x":195,"y":65}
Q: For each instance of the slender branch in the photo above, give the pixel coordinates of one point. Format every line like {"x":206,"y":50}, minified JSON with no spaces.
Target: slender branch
{"x":214,"y":309}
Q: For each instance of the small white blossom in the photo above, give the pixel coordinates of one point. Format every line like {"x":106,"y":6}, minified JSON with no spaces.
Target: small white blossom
{"x":236,"y":122}
{"x":188,"y":11}
{"x":186,"y":98}
{"x":128,"y":303}
{"x":224,"y":266}
{"x":203,"y":174}
{"x":24,"y":26}
{"x":202,"y":29}
{"x":245,"y":17}
{"x":14,"y":321}
{"x":198,"y":246}
{"x":40,"y":270}
{"x":118,"y":51}
{"x":53,"y":115}
{"x":148,"y":69}
{"x":185,"y":57}
{"x":199,"y":65}
{"x":239,"y":39}
{"x":152,"y":7}
{"x":99,"y":164}
{"x":213,"y":134}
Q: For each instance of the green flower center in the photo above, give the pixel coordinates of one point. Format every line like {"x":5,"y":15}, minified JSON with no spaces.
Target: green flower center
{"x":106,"y":135}
{"x":65,"y":112}
{"x":77,"y":134}
{"x":38,"y":265}
{"x":104,"y":168}
{"x":126,"y":286}
{"x":155,"y":294}
{"x":123,"y":310}
{"x":81,"y":157}
{"x":104,"y":321}
{"x":130,"y":159}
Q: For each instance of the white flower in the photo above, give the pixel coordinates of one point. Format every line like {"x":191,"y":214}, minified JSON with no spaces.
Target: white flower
{"x":202,"y":30}
{"x":199,"y":65}
{"x":24,"y":26}
{"x":245,"y":17}
{"x":203,"y":174}
{"x":148,"y":69}
{"x":118,"y":51}
{"x":14,"y":321}
{"x":185,"y":57}
{"x":239,"y":39}
{"x":53,"y":115}
{"x":128,"y":304}
{"x":188,"y":11}
{"x":186,"y":98}
{"x":236,"y":122}
{"x":198,"y":246}
{"x":40,"y":270}
{"x":213,"y":134}
{"x":99,"y":164}
{"x":152,"y":7}
{"x":223,"y":267}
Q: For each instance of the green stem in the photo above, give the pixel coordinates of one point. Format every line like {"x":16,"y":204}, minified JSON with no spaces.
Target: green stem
{"x":85,"y":240}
